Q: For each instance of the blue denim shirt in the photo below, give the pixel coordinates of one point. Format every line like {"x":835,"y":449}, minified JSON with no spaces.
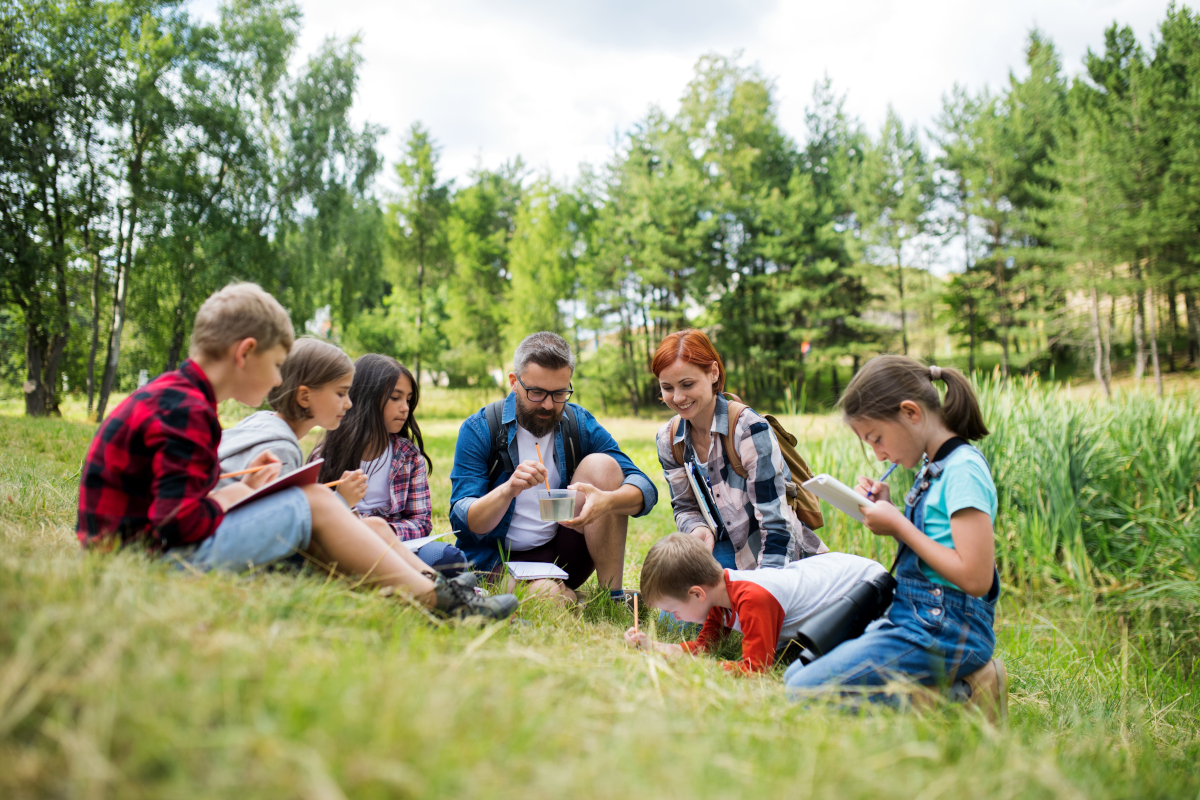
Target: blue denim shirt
{"x":469,"y":480}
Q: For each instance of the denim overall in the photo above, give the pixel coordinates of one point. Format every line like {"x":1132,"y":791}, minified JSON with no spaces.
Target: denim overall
{"x":932,"y":634}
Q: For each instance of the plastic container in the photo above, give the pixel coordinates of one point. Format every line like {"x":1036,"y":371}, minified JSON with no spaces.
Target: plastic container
{"x":556,"y":505}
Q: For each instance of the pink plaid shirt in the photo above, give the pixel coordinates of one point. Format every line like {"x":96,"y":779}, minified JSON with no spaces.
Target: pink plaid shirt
{"x":411,"y":512}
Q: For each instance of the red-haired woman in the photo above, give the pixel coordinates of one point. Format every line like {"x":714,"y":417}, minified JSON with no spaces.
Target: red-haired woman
{"x":692,"y":377}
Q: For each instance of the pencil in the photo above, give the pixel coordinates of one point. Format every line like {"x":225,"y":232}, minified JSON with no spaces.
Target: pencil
{"x":543,"y":463}
{"x":244,"y":471}
{"x":337,"y":482}
{"x":886,"y":475}
{"x":635,"y":614}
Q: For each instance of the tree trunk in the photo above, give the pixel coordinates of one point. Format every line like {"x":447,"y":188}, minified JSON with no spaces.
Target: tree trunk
{"x":1139,"y":322}
{"x":1098,"y":344}
{"x":1193,"y":326}
{"x":900,"y":287}
{"x":178,"y":329}
{"x":837,"y":389}
{"x":94,"y":344}
{"x":1152,"y":329}
{"x":1173,"y":322}
{"x":1108,"y":334}
{"x":120,"y":299}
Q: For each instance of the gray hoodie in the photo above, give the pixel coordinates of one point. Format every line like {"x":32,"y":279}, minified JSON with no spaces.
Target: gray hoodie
{"x":262,"y":430}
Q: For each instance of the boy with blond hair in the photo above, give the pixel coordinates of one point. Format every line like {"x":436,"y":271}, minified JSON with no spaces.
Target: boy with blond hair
{"x":151,"y":472}
{"x":680,"y":576}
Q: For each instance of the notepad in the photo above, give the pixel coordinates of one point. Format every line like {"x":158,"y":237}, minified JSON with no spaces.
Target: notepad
{"x":535,"y":570}
{"x":417,"y":544}
{"x":300,"y":477}
{"x":838,"y":495}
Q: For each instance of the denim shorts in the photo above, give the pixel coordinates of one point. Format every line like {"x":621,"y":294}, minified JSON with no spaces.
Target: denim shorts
{"x":255,"y":534}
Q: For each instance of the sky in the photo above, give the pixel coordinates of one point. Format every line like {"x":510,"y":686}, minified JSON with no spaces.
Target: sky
{"x":558,"y":81}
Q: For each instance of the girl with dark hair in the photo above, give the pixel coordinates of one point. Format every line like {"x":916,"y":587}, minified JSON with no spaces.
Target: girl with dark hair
{"x":938,"y":631}
{"x":380,"y":436}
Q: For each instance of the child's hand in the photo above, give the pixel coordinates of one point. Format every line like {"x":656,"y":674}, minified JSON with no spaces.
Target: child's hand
{"x":883,"y":519}
{"x":256,"y":480}
{"x":637,"y":639}
{"x":874,"y":489}
{"x":355,"y":487}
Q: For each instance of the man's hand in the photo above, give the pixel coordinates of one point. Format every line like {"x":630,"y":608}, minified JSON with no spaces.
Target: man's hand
{"x":355,"y":487}
{"x":878,"y":491}
{"x":527,"y":475}
{"x":257,"y":480}
{"x":705,"y":535}
{"x":597,"y":504}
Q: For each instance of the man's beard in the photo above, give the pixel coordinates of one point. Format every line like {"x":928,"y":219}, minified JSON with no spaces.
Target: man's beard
{"x":532,"y":419}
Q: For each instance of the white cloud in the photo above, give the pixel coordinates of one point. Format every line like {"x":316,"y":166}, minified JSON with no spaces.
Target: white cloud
{"x":556,"y":82}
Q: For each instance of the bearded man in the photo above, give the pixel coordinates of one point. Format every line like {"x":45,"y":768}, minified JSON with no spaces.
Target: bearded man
{"x":497,"y":474}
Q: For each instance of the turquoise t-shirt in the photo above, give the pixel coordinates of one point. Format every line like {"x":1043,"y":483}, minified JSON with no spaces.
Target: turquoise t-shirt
{"x":965,"y":483}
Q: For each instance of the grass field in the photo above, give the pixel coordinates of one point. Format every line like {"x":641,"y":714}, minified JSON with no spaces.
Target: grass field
{"x":122,"y":678}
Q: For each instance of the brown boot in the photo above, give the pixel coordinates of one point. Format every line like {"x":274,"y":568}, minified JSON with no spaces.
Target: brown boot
{"x":989,"y":691}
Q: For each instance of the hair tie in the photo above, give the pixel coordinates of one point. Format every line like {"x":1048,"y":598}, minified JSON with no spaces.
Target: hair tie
{"x":935,"y":373}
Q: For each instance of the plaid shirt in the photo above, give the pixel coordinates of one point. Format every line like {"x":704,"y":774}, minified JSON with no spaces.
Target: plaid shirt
{"x":411,"y":512}
{"x":152,"y":464}
{"x":757,"y":503}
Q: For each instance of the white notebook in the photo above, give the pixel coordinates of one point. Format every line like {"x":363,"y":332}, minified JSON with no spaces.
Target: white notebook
{"x":417,"y":544}
{"x":838,"y":495}
{"x":535,"y":570}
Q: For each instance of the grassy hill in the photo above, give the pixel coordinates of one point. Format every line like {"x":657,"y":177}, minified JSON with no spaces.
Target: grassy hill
{"x":121,"y":677}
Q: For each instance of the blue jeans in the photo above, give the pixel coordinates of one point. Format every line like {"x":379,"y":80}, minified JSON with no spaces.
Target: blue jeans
{"x":931,"y":634}
{"x":725,"y":555}
{"x":258,"y":533}
{"x":445,"y":558}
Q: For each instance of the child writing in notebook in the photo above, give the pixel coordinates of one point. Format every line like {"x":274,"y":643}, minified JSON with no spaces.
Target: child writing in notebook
{"x":381,"y":437}
{"x":938,"y":631}
{"x":314,"y":393}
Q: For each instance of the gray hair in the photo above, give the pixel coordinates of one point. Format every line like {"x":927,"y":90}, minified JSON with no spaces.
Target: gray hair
{"x":547,"y":350}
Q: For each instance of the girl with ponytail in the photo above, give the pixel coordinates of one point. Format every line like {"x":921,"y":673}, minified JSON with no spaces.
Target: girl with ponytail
{"x":938,"y":631}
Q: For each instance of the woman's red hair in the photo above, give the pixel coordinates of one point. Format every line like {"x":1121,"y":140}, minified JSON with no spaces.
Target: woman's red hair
{"x":691,"y":347}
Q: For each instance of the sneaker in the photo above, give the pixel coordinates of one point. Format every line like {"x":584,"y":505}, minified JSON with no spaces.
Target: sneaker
{"x":454,"y":599}
{"x":467,"y":580}
{"x":989,"y":690}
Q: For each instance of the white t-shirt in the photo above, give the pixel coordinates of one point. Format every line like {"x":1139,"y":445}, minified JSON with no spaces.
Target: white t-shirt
{"x":379,"y":485}
{"x":527,"y":530}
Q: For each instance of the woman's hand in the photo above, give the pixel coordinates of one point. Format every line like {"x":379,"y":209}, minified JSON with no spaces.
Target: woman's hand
{"x":705,"y":535}
{"x":873,"y":489}
{"x":256,"y":480}
{"x":638,"y":640}
{"x":355,"y":487}
{"x":884,"y":519}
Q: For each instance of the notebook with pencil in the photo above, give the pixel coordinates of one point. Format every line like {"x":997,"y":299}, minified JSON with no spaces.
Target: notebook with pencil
{"x":301,"y":477}
{"x":838,"y":495}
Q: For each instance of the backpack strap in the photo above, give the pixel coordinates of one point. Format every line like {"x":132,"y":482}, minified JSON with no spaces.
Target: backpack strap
{"x":678,"y":449}
{"x":498,"y":460}
{"x":736,"y":407}
{"x":572,"y":443}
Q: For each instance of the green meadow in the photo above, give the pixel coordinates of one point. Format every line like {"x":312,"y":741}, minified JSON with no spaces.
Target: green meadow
{"x":121,"y":677}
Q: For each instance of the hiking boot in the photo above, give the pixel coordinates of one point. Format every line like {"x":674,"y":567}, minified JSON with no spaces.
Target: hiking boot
{"x":458,"y":600}
{"x":989,"y":690}
{"x":467,"y":580}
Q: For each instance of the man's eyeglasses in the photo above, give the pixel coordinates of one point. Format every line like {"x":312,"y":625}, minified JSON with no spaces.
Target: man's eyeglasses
{"x":539,"y":395}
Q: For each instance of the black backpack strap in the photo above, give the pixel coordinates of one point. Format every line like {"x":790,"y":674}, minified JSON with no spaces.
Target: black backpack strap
{"x":498,"y":460}
{"x":572,"y":444}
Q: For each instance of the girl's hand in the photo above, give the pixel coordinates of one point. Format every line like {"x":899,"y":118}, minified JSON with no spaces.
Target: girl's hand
{"x":705,"y":535}
{"x":883,"y":519}
{"x":638,"y":640}
{"x":355,"y":487}
{"x":874,"y":489}
{"x":256,"y":480}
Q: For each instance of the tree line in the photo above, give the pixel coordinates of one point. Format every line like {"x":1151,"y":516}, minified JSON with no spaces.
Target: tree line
{"x":149,"y":157}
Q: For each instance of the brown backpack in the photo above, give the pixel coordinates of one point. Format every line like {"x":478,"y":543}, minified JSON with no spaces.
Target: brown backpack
{"x":802,"y":501}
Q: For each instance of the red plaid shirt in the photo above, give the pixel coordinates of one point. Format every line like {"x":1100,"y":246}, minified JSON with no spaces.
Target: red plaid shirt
{"x":410,"y":512}
{"x":152,"y":465}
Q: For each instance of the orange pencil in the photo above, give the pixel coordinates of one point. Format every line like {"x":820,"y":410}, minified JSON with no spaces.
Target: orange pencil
{"x":635,"y":614}
{"x":336,"y":483}
{"x":543,"y":463}
{"x":244,"y":471}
